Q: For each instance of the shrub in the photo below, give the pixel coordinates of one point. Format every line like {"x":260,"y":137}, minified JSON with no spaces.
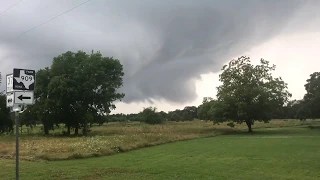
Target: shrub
{"x":151,"y":116}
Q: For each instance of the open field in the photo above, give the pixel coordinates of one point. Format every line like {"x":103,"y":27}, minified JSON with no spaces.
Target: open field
{"x":103,"y":140}
{"x":270,"y":153}
{"x":115,"y":137}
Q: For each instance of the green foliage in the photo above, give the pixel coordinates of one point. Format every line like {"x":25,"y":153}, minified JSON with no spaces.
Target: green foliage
{"x":117,"y":118}
{"x":151,"y":116}
{"x":28,"y":117}
{"x":231,"y":124}
{"x":175,"y":115}
{"x":77,"y":89}
{"x":6,"y":123}
{"x":164,"y":115}
{"x":311,"y":100}
{"x":100,"y":120}
{"x":294,"y":110}
{"x":210,"y":109}
{"x":249,"y":92}
{"x":205,"y":110}
{"x":189,"y":113}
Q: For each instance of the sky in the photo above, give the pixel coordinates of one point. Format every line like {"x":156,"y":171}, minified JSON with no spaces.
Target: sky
{"x":172,"y":50}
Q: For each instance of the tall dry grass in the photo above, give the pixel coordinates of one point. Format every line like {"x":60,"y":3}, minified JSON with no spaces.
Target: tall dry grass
{"x":117,"y":137}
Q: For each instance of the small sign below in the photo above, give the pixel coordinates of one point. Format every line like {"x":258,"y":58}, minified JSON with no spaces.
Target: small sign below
{"x":23,"y":97}
{"x":23,"y":79}
{"x":9,"y":83}
{"x":10,"y":100}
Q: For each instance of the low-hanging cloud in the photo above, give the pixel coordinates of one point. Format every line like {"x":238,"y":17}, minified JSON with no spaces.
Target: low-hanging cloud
{"x":164,"y":45}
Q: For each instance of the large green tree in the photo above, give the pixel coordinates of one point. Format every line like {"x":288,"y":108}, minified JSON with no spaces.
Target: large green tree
{"x":190,"y":113}
{"x":175,"y":115}
{"x":249,"y":92}
{"x":205,"y":109}
{"x":77,"y":89}
{"x":291,"y":109}
{"x":150,"y":115}
{"x":210,"y":110}
{"x":311,"y":100}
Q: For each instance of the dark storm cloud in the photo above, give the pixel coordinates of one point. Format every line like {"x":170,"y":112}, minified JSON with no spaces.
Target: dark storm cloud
{"x":164,"y":45}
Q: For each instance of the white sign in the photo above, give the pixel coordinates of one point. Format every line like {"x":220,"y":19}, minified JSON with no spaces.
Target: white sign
{"x":24,"y":79}
{"x":10,"y":100}
{"x":9,"y":83}
{"x":23,"y":97}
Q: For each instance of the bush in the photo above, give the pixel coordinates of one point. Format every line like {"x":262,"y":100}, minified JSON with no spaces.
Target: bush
{"x":231,"y":124}
{"x":150,"y":116}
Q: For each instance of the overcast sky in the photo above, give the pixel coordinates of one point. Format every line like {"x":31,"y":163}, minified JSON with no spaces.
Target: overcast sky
{"x":172,"y":50}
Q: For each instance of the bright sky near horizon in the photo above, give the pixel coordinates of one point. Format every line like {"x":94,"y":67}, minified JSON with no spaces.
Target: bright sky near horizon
{"x":171,"y":51}
{"x":295,"y":56}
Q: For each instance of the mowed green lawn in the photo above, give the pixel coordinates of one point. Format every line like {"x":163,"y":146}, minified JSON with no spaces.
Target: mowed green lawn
{"x":272,"y":153}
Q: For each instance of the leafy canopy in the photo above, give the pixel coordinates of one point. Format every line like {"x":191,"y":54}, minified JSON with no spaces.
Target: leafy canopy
{"x":78,"y":88}
{"x":249,"y":92}
{"x":150,"y":116}
{"x":206,"y":108}
{"x":311,"y":100}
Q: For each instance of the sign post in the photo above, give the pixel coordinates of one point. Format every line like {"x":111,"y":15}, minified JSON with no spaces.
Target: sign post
{"x":19,"y":91}
{"x":17,"y":143}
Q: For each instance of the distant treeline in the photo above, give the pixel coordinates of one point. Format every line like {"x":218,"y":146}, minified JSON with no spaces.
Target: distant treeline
{"x":79,"y":90}
{"x":292,"y":110}
{"x":189,"y":113}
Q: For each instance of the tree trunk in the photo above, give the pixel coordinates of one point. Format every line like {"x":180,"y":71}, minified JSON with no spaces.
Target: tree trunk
{"x":68,"y":131}
{"x":249,"y":124}
{"x":85,"y":129}
{"x":76,"y":131}
{"x":46,"y":130}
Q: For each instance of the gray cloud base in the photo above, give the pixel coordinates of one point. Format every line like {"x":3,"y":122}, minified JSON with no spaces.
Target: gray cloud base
{"x":164,"y":45}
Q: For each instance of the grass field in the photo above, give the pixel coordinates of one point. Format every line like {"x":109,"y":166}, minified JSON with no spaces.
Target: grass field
{"x":272,"y":152}
{"x":113,"y":138}
{"x":104,"y":140}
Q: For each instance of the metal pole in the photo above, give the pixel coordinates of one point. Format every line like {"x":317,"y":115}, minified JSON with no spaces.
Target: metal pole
{"x":17,"y":144}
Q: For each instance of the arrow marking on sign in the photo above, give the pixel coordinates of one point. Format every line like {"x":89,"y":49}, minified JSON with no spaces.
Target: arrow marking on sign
{"x":23,"y":97}
{"x":9,"y":100}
